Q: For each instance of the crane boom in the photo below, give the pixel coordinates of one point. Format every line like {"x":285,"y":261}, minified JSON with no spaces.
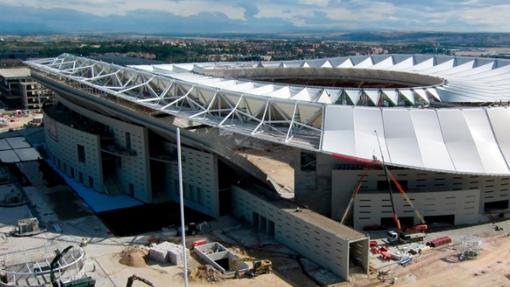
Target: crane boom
{"x":390,"y":189}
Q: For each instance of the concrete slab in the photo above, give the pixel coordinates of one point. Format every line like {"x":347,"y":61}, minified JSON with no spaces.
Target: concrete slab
{"x":8,"y":156}
{"x":27,"y":154}
{"x":17,"y":142}
{"x":4,"y":145}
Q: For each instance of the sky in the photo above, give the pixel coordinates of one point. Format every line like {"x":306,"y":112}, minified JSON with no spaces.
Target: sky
{"x":255,"y":16}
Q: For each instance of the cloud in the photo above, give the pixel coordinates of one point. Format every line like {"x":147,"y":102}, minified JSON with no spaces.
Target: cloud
{"x":274,"y":15}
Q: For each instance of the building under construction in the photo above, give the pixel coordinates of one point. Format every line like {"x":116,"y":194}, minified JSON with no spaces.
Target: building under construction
{"x":437,"y":124}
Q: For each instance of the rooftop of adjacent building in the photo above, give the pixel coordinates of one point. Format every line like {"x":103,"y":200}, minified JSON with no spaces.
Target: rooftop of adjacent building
{"x":14,"y":73}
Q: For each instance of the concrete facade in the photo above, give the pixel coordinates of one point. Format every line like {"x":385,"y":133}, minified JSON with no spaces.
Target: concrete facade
{"x":61,"y":146}
{"x":370,"y":208}
{"x":200,"y":181}
{"x":132,"y":170}
{"x":490,"y":190}
{"x":127,"y":145}
{"x":328,"y":186}
{"x":327,"y":243}
{"x":312,"y":180}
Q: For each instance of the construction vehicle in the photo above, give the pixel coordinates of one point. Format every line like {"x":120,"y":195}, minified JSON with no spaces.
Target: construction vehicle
{"x":406,"y":261}
{"x":391,"y":181}
{"x":399,"y":236}
{"x":413,"y":237}
{"x":260,"y":267}
{"x":394,"y":237}
{"x":418,"y":228}
{"x":134,"y":278}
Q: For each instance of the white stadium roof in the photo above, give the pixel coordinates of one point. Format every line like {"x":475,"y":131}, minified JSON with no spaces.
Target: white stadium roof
{"x":446,"y":114}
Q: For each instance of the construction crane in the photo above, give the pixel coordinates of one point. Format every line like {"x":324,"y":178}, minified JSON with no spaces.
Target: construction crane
{"x":419,"y":227}
{"x":390,"y":178}
{"x":391,"y":181}
{"x":396,"y":220}
{"x":354,"y":193}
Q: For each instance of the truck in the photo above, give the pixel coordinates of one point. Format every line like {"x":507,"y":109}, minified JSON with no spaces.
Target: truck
{"x":395,"y":237}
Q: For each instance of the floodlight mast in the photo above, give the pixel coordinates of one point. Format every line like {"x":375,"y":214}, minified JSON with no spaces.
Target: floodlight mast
{"x":181,"y":202}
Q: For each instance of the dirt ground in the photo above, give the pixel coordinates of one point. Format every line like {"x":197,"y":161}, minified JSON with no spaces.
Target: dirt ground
{"x":16,"y":122}
{"x":441,"y":267}
{"x":492,"y":268}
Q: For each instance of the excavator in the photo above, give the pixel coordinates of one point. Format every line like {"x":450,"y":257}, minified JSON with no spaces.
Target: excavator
{"x":134,"y":278}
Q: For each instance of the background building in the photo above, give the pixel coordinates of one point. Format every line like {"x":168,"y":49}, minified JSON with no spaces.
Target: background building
{"x":19,"y":91}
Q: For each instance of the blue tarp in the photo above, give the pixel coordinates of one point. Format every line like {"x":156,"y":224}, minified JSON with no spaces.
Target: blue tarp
{"x":98,"y":202}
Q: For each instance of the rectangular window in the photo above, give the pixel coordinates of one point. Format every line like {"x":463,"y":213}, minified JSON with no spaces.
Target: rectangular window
{"x":80,"y":177}
{"x":176,"y":187}
{"x":81,"y":153}
{"x":91,"y":182}
{"x":131,"y":189}
{"x":383,"y":185}
{"x":308,"y":161}
{"x":128,"y":140}
{"x":496,"y":205}
{"x":200,"y":198}
{"x":186,"y":191}
{"x":192,"y":193}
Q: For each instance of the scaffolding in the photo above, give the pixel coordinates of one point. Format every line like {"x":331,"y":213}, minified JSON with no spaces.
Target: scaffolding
{"x":32,"y":267}
{"x":469,"y":247}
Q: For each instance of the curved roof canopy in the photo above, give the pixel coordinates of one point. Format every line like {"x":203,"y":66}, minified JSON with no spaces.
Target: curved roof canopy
{"x":410,"y":124}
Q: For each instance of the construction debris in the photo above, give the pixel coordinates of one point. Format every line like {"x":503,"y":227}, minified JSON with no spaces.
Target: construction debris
{"x":439,"y":241}
{"x":134,"y":257}
{"x":207,"y":273}
{"x":167,"y":252}
{"x":222,"y":259}
{"x":28,"y":227}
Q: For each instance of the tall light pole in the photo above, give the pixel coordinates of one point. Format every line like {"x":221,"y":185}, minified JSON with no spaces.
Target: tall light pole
{"x":181,"y":202}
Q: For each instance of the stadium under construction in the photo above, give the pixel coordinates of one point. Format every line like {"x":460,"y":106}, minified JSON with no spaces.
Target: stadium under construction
{"x":345,"y":131}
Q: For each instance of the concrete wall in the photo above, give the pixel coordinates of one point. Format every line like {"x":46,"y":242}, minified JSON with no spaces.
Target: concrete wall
{"x":321,"y":245}
{"x":344,"y":181}
{"x":200,"y":169}
{"x":200,"y":181}
{"x":313,"y":188}
{"x":134,"y":169}
{"x":61,"y":145}
{"x":369,"y":208}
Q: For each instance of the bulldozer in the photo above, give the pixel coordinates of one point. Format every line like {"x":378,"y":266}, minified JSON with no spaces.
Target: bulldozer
{"x":260,"y":267}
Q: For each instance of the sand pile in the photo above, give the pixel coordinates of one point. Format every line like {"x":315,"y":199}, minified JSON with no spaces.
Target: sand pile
{"x":134,"y":257}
